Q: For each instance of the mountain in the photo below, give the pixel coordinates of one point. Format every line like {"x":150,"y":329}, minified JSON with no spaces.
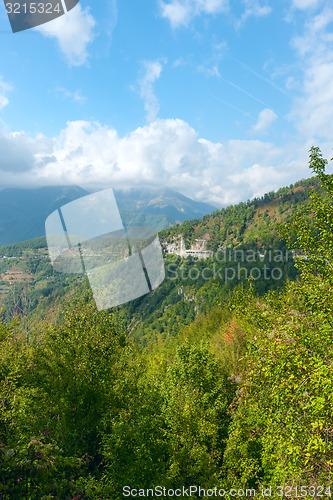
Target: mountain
{"x":240,"y":241}
{"x":23,"y":211}
{"x":253,"y":222}
{"x":157,"y":202}
{"x":191,"y":286}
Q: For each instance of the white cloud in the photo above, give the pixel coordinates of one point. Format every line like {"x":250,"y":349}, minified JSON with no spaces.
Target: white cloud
{"x":165,"y":153}
{"x":312,"y":111}
{"x":3,"y":101}
{"x":73,"y":31}
{"x":305,"y":4}
{"x":209,"y":70}
{"x":265,"y":120}
{"x":19,"y":153}
{"x":253,"y":8}
{"x":260,"y":179}
{"x":177,"y":13}
{"x":181,"y":12}
{"x":151,"y":71}
{"x":73,"y":96}
{"x":4,"y":89}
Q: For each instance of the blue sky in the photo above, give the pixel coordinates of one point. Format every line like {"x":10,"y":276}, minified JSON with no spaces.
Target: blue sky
{"x":218,"y":99}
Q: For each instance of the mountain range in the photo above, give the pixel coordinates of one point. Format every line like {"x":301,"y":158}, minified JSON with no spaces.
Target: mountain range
{"x":23,"y":211}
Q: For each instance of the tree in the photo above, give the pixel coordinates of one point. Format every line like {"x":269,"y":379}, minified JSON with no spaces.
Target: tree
{"x":196,"y":395}
{"x":282,"y":425}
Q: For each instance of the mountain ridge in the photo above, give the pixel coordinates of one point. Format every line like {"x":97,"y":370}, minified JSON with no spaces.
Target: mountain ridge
{"x":23,"y":211}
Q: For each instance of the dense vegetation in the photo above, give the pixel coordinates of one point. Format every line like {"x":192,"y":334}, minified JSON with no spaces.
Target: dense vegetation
{"x":246,"y":243}
{"x":237,"y":395}
{"x":255,"y":221}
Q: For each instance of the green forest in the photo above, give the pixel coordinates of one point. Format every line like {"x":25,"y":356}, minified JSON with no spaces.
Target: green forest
{"x":217,"y":384}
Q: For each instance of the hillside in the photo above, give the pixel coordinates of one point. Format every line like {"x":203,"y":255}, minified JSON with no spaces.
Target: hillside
{"x":29,"y":286}
{"x":249,"y":231}
{"x":255,"y":221}
{"x":228,"y":392}
{"x":244,"y":242}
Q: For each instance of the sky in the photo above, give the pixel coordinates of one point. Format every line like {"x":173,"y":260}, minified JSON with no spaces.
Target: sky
{"x":220,"y":100}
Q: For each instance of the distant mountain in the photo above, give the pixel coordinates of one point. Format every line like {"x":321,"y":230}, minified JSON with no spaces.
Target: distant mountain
{"x":174,"y":205}
{"x":23,"y":211}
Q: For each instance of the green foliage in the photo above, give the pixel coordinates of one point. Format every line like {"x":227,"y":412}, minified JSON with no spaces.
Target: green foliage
{"x":75,"y":369}
{"x":255,"y":221}
{"x":282,"y":422}
{"x":56,"y":400}
{"x":196,"y":394}
{"x":230,"y":385}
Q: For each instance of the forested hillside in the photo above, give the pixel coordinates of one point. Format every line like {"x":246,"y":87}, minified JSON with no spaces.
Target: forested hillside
{"x":29,"y":286}
{"x":241,"y":238}
{"x":234,"y":397}
{"x":255,"y":221}
{"x":246,"y":243}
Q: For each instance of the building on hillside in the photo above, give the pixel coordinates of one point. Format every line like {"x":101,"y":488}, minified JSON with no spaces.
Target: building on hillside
{"x":197,"y":249}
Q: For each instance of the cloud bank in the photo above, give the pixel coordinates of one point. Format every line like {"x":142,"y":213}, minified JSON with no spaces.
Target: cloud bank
{"x":164,"y":153}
